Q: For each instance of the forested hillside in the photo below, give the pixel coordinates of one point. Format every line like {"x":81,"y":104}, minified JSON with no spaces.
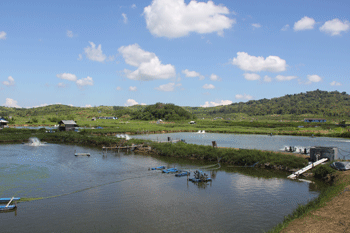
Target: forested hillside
{"x":311,"y":104}
{"x":317,"y":103}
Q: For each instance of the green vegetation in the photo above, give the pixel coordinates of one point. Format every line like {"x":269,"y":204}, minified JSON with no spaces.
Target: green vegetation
{"x":168,"y":112}
{"x":321,"y":171}
{"x":242,"y":157}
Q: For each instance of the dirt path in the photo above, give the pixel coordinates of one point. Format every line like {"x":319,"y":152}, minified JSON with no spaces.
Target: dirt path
{"x":333,"y":217}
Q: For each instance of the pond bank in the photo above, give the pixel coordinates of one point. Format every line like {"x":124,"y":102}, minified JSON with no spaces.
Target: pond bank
{"x":328,"y":213}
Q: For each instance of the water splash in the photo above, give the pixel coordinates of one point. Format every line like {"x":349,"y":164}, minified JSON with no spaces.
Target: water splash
{"x":34,"y":142}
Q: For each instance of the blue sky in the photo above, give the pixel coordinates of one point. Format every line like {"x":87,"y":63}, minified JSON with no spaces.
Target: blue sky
{"x":190,"y":53}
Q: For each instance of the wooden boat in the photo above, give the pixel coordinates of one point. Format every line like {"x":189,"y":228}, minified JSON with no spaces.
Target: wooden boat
{"x":170,"y":170}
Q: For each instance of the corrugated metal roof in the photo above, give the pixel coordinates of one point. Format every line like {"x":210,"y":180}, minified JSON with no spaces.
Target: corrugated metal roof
{"x":3,"y":120}
{"x":69,"y":122}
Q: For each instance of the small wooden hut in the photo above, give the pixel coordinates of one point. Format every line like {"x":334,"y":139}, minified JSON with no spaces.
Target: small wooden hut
{"x":3,"y":122}
{"x":67,"y":125}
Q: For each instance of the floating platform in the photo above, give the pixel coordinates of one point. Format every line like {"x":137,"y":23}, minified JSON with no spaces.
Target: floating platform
{"x":7,"y":199}
{"x":158,"y":168}
{"x":183,"y":174}
{"x":170,"y":170}
{"x":82,"y":154}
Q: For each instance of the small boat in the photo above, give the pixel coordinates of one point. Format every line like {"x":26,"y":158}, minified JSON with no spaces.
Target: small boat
{"x":158,"y":168}
{"x":81,"y":154}
{"x":170,"y":170}
{"x":7,"y":199}
{"x":183,"y":174}
{"x":9,"y":207}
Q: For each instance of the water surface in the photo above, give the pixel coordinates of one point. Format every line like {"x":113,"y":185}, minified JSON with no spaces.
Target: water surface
{"x":116,"y":192}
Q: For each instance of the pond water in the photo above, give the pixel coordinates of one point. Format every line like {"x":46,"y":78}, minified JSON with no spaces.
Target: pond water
{"x":253,"y":141}
{"x":115,"y":192}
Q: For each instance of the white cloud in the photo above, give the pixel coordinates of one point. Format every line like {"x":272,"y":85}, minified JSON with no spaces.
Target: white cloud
{"x":214,"y":77}
{"x":67,"y":76}
{"x":85,"y":82}
{"x":285,"y":78}
{"x":131,"y":88}
{"x":94,"y":54}
{"x":285,"y":27}
{"x":313,"y":79}
{"x":192,"y":74}
{"x":214,"y":104}
{"x":3,"y":35}
{"x":175,"y":18}
{"x":131,"y":102}
{"x":334,"y":83}
{"x":305,"y":23}
{"x":168,"y":87}
{"x":10,"y":82}
{"x":125,"y":18}
{"x":61,"y":85}
{"x":11,"y":103}
{"x":208,"y":86}
{"x":149,"y":65}
{"x":251,"y":63}
{"x":118,"y":88}
{"x":267,"y":79}
{"x":245,"y":97}
{"x":251,"y":77}
{"x":133,"y":6}
{"x":256,"y":25}
{"x":80,"y":57}
{"x":87,"y":106}
{"x":335,"y":27}
{"x":69,"y":34}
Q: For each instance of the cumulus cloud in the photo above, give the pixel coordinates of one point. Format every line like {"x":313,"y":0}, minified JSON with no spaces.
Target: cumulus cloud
{"x":313,"y":79}
{"x":95,"y":54}
{"x":80,"y":57}
{"x":125,"y":18}
{"x":3,"y":35}
{"x":305,"y":23}
{"x":61,"y":85}
{"x":192,"y":74}
{"x":251,"y":63}
{"x":214,"y":104}
{"x":149,"y":67}
{"x":285,"y":78}
{"x":67,"y":76}
{"x":175,"y":18}
{"x":69,"y":34}
{"x":131,"y":102}
{"x":285,"y":27}
{"x":335,"y":27}
{"x":87,"y":106}
{"x":256,"y":25}
{"x":334,"y":83}
{"x":85,"y":82}
{"x":251,"y":77}
{"x":267,"y":79}
{"x":131,"y":88}
{"x":244,"y":97}
{"x":133,"y":6}
{"x":11,"y":103}
{"x":208,"y":86}
{"x":118,"y":88}
{"x":168,"y":87}
{"x":214,"y":77}
{"x":10,"y":81}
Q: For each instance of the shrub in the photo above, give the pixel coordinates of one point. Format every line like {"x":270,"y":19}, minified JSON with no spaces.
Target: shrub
{"x":322,"y":171}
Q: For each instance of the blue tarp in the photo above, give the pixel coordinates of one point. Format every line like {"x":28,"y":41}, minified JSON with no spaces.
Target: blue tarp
{"x":158,"y":168}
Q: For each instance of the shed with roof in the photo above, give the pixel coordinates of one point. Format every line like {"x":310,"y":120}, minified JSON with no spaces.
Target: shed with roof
{"x":67,"y":125}
{"x":3,"y":122}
